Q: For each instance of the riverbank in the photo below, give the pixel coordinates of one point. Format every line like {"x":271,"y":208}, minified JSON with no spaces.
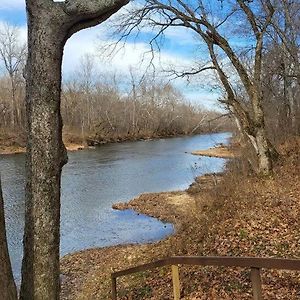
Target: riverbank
{"x":8,"y":150}
{"x":230,"y":215}
{"x":11,"y":143}
{"x":14,"y":144}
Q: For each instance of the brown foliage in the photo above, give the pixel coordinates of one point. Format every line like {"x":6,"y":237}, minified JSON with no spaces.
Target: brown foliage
{"x":234,"y":214}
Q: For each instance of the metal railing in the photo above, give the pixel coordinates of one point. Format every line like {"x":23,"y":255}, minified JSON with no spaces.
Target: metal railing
{"x":255,"y":264}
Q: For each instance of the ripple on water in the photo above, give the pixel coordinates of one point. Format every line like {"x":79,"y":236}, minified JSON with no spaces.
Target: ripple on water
{"x":95,"y":179}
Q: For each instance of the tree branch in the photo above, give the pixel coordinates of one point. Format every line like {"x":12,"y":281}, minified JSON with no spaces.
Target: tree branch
{"x":194,"y":71}
{"x":250,"y":16}
{"x":86,"y":14}
{"x":89,"y":8}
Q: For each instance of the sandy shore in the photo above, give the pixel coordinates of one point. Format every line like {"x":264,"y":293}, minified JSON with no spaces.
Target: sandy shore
{"x":219,"y":152}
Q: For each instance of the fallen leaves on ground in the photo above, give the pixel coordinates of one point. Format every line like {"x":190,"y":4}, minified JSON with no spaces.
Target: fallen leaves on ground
{"x":235,"y":216}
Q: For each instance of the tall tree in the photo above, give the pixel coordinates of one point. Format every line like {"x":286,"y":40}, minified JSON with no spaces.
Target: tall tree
{"x":203,"y":19}
{"x":286,"y":25}
{"x":13,"y":53}
{"x":50,"y":24}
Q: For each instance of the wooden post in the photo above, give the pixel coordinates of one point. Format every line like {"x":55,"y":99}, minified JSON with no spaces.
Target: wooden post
{"x":256,"y":283}
{"x":113,"y":288}
{"x":176,"y":282}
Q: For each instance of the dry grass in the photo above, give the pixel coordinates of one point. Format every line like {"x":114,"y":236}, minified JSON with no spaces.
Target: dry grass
{"x":11,"y":142}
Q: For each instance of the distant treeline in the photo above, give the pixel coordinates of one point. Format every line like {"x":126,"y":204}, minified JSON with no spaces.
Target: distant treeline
{"x":102,"y":112}
{"x":99,"y":111}
{"x":99,"y":108}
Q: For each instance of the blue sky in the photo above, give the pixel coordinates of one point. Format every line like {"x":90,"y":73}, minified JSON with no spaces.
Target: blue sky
{"x":180,"y":50}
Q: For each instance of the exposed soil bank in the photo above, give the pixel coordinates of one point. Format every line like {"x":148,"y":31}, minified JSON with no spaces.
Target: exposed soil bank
{"x":14,"y":143}
{"x":6,"y":150}
{"x":224,"y":215}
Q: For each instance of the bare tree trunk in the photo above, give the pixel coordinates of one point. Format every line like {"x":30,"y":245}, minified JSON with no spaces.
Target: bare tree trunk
{"x":265,"y":159}
{"x":256,"y":133}
{"x":8,"y":289}
{"x":266,"y":152}
{"x":50,"y":24}
{"x":46,"y":155}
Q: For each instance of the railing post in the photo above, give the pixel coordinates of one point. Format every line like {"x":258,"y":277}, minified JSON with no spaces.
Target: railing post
{"x":256,"y":283}
{"x":176,"y":282}
{"x":113,"y":288}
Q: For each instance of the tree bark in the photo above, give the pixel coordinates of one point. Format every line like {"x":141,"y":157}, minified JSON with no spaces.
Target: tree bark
{"x":253,"y":127}
{"x":8,"y":289}
{"x":46,"y":155}
{"x":50,"y":24}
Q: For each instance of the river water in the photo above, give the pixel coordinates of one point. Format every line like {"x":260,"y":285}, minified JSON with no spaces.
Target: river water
{"x":94,"y":179}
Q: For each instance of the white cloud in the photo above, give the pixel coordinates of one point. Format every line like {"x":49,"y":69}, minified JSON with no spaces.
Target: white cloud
{"x":203,"y":97}
{"x":182,"y":36}
{"x":21,"y":31}
{"x":132,"y":55}
{"x":127,"y":55}
{"x":78,"y":45}
{"x":135,"y":56}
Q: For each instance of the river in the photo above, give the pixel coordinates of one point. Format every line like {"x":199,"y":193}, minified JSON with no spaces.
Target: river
{"x":94,"y":179}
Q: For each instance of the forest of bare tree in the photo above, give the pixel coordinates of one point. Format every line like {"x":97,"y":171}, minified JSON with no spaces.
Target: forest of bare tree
{"x":96,"y":108}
